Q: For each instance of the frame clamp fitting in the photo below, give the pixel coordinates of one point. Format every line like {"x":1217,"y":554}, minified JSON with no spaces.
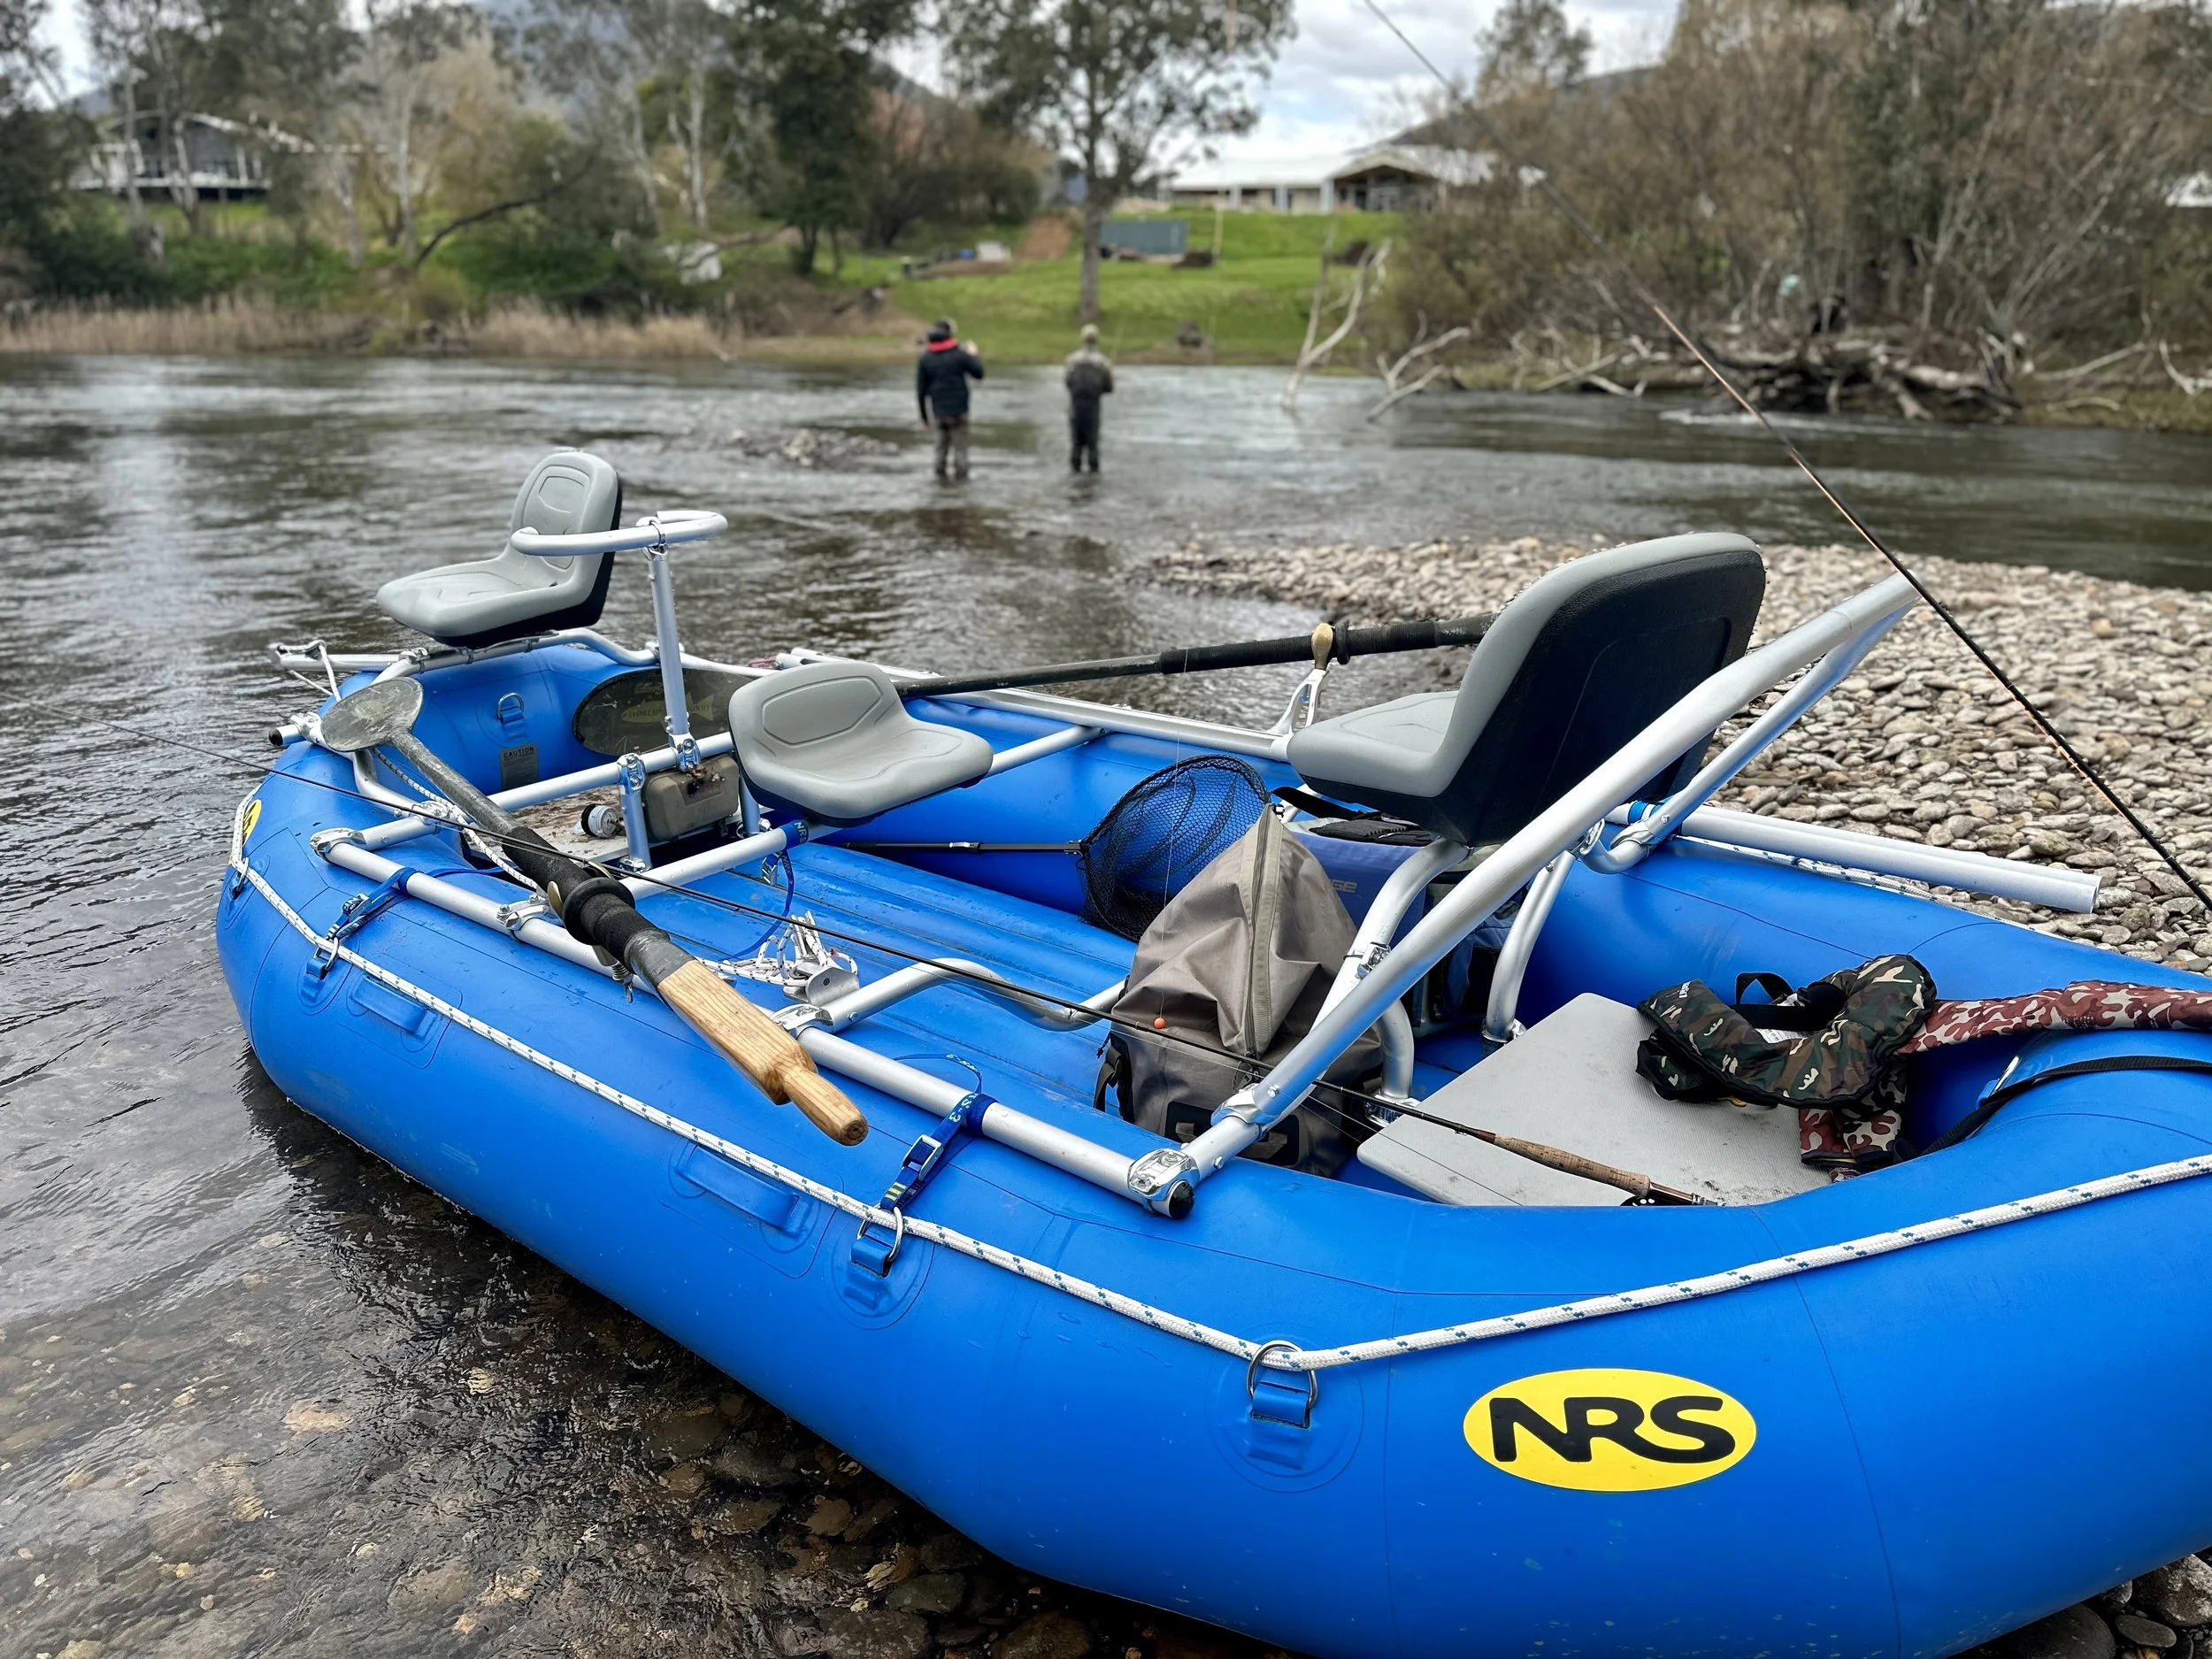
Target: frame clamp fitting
{"x":874,"y":1248}
{"x":512,"y":916}
{"x":1163,"y":1179}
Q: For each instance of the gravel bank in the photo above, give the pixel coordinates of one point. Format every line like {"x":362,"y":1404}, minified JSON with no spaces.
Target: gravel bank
{"x":1921,"y":743}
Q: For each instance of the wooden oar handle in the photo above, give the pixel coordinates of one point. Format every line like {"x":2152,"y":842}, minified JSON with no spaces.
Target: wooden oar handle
{"x":761,"y":1048}
{"x":826,"y":1106}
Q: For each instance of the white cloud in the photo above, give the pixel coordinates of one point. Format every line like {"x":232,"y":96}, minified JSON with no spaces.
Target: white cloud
{"x":1346,"y":79}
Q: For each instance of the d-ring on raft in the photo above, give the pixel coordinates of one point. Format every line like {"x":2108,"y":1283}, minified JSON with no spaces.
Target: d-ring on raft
{"x":1440,"y":1400}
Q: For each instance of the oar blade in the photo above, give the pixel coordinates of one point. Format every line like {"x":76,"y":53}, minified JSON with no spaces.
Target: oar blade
{"x":376,"y":714}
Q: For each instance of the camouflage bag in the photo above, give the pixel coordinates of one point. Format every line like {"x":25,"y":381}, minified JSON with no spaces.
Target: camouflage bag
{"x":1827,"y":1049}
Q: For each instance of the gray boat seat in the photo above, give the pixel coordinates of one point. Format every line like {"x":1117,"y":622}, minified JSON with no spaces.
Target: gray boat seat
{"x":1569,"y":1081}
{"x":513,"y":594}
{"x":832,"y":741}
{"x":1585,"y":658}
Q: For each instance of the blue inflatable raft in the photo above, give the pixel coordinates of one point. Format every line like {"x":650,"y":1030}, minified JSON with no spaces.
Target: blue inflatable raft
{"x":1442,"y":1400}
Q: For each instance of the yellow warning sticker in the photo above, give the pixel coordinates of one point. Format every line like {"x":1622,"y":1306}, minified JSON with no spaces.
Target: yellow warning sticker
{"x":253,"y":817}
{"x":1609,"y":1431}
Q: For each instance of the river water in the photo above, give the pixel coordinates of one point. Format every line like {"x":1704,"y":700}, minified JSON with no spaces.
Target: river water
{"x":258,"y":1392}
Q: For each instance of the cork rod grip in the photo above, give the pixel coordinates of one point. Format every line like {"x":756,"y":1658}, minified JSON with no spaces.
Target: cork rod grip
{"x":1573,"y":1164}
{"x":761,"y":1048}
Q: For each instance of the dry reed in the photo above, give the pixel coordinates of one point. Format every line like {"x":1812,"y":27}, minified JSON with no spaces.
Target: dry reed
{"x":224,"y":326}
{"x":233,"y":325}
{"x":536,"y":331}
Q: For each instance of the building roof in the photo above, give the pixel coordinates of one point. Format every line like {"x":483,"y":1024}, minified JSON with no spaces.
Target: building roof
{"x":1429,"y":161}
{"x":1302,"y":174}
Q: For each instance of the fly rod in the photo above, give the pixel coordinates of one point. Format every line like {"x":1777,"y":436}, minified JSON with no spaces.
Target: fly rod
{"x":1327,"y":644}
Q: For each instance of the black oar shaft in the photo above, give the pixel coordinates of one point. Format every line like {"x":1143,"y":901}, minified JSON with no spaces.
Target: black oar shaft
{"x":1190,"y":659}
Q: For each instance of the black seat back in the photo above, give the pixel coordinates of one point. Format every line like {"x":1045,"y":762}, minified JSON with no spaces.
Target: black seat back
{"x":1587,"y":657}
{"x":1611,"y":659}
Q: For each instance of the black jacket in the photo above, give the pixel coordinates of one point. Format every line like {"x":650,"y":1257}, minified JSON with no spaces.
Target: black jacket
{"x":1089,"y":377}
{"x":941,"y":380}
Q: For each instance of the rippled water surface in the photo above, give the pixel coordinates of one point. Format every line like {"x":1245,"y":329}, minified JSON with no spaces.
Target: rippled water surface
{"x":258,"y":1392}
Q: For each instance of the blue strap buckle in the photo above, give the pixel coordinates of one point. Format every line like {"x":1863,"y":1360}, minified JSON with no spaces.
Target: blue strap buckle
{"x":876,"y":1246}
{"x":357,"y":913}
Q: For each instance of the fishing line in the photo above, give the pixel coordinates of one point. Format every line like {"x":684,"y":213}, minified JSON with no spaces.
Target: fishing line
{"x":1526,"y":170}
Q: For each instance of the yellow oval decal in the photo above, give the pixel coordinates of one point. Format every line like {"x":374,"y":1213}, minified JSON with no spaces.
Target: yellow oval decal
{"x":253,"y":817}
{"x":1609,"y":1431}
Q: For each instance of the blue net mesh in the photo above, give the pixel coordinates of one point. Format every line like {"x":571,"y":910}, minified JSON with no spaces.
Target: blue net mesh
{"x":1163,"y":833}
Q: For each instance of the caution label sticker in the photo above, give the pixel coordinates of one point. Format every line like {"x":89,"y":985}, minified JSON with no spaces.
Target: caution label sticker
{"x":1609,"y":1431}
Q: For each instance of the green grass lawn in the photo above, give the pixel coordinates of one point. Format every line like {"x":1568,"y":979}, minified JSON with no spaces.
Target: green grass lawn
{"x":1250,"y":305}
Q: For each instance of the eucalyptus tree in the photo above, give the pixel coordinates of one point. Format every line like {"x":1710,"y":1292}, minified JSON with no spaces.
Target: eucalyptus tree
{"x":1110,"y":83}
{"x":609,"y":57}
{"x":683,"y":46}
{"x":819,"y":82}
{"x":27,"y":64}
{"x":588,"y":53}
{"x":1530,"y":45}
{"x":400,"y":39}
{"x":32,"y":137}
{"x":296,"y":63}
{"x":119,"y":33}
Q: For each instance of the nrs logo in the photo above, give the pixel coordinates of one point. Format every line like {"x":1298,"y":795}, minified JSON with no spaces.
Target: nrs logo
{"x":1609,"y":1431}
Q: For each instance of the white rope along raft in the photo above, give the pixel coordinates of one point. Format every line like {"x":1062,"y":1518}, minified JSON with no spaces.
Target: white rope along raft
{"x":1281,"y":1356}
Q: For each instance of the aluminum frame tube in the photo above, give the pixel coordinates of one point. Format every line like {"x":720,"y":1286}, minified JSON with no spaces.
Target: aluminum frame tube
{"x":1631,"y":848}
{"x":537,"y":793}
{"x":2052,"y":886}
{"x":1395,"y":1028}
{"x":1047,"y":1143}
{"x":540,"y":932}
{"x":840,"y":1012}
{"x":1371,"y":941}
{"x":1234,"y":739}
{"x":1250,"y":1112}
{"x":669,"y":651}
{"x":414,"y":824}
{"x":684,"y":871}
{"x":454,"y":656}
{"x":1498,"y":1023}
{"x":1037,"y":749}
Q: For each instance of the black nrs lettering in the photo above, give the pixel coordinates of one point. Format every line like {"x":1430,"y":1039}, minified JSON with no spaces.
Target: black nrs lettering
{"x":1593,"y":1418}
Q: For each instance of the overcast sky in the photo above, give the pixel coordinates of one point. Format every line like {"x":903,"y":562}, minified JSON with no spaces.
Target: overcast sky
{"x":1342,"y":81}
{"x":1346,"y":79}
